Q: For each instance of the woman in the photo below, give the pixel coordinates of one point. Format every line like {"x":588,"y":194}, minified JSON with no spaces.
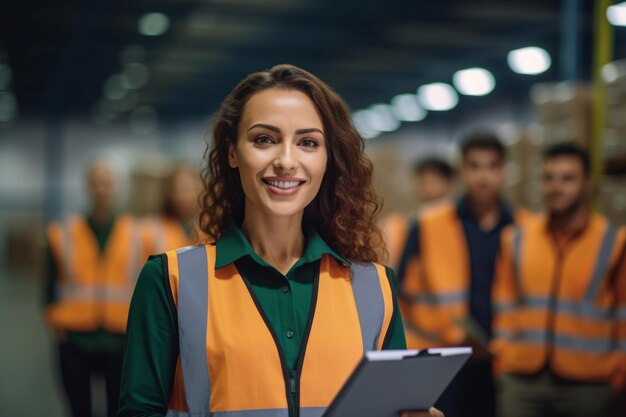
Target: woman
{"x":175,"y":227}
{"x":271,"y":316}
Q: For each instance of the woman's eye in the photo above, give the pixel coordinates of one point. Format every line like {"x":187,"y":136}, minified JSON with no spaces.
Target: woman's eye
{"x":263,"y":140}
{"x":309,"y":143}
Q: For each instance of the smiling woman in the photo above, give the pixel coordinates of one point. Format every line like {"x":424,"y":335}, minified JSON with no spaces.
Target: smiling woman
{"x":272,"y":314}
{"x":343,"y":210}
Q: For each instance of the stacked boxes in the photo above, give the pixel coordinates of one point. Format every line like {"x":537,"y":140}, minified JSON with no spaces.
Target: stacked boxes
{"x":613,"y":190}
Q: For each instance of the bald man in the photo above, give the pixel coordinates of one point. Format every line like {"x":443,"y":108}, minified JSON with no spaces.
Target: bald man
{"x":94,"y":259}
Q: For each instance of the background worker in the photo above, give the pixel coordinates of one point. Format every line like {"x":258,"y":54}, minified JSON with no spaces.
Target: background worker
{"x":446,"y":273}
{"x":434,"y":182}
{"x":175,"y":228}
{"x":94,"y":261}
{"x":560,"y":297}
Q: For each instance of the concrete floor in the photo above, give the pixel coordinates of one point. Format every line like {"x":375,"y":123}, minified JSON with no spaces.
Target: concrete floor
{"x":29,"y":382}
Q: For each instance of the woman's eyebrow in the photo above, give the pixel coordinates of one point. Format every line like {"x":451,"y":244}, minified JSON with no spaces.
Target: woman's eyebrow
{"x":268,"y":127}
{"x":309,"y":130}
{"x":277,"y":130}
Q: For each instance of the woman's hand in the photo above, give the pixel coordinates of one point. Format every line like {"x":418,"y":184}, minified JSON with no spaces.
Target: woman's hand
{"x":433,"y":412}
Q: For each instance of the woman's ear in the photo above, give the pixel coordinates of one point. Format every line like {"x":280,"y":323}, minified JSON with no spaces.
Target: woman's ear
{"x":233,"y":161}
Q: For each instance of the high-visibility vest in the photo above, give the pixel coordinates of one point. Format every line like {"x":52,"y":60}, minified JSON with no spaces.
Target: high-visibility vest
{"x":394,"y":228}
{"x":230,"y":361}
{"x":165,"y":234}
{"x":560,"y":307}
{"x":435,"y":287}
{"x":93,"y":288}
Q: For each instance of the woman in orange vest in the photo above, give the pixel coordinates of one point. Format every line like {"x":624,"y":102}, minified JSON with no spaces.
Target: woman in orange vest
{"x":176,"y":227}
{"x":270,"y":317}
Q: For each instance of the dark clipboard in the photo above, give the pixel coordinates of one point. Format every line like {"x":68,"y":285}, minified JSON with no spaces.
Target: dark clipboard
{"x":387,"y":382}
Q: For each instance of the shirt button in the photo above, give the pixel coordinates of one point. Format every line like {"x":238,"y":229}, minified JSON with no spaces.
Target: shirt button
{"x":285,"y":289}
{"x":289,"y":334}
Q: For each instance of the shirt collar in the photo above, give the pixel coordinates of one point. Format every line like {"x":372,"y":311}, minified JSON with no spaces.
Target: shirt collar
{"x":233,"y":245}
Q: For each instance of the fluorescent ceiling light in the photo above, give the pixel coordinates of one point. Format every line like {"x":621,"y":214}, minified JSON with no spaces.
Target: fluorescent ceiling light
{"x":530,"y":60}
{"x":474,"y":81}
{"x":153,"y":24}
{"x":382,"y":118}
{"x":438,"y":97}
{"x":616,"y":14}
{"x":406,"y":108}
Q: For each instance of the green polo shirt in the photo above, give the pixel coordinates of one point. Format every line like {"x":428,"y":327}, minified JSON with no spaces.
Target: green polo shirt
{"x":151,"y":349}
{"x":100,"y":340}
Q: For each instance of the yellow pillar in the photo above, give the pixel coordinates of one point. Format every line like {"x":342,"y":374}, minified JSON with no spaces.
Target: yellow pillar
{"x":602,"y":55}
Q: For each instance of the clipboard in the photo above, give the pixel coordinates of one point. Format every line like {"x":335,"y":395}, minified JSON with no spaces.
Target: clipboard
{"x":389,"y":381}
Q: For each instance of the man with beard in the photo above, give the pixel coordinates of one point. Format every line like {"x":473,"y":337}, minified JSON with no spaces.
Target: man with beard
{"x":560,"y":301}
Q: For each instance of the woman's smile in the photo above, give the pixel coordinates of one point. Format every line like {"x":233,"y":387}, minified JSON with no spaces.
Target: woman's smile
{"x":283,"y":186}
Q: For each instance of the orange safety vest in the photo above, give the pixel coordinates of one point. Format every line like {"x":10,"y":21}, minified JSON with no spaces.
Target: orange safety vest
{"x":558,"y":307}
{"x":394,"y":228}
{"x":93,"y":288}
{"x":165,"y":234}
{"x":435,"y":288}
{"x":230,"y":361}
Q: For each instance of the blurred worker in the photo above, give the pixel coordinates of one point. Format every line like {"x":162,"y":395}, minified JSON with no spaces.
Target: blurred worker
{"x":446,"y":273}
{"x":176,"y":228}
{"x":560,"y":301}
{"x":94,"y":261}
{"x":434,"y":181}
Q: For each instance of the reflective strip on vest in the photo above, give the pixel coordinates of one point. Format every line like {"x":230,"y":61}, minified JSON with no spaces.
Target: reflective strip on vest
{"x":437,"y":299}
{"x":370,"y":304}
{"x":192,"y":327}
{"x":134,"y":259}
{"x":585,"y":310}
{"x":93,"y":293}
{"x":517,"y":244}
{"x":560,"y":340}
{"x":602,"y":262}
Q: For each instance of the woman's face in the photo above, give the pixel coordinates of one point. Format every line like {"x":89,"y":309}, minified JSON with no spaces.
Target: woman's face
{"x":280,"y":152}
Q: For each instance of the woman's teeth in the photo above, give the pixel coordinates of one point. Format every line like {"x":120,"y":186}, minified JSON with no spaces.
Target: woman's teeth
{"x":283,"y":184}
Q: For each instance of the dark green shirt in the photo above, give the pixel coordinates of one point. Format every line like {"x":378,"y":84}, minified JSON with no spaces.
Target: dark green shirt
{"x":100,"y":340}
{"x":151,"y":349}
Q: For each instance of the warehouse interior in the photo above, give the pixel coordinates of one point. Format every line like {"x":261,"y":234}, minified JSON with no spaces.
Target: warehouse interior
{"x":137,"y":83}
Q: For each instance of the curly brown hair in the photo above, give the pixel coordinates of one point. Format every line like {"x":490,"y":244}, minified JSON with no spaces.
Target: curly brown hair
{"x":345,"y":209}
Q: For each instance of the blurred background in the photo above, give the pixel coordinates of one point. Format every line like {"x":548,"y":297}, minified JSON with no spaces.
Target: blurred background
{"x":135,"y":82}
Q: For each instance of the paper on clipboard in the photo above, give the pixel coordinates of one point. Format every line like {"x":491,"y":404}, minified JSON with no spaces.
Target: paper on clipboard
{"x":387,"y":382}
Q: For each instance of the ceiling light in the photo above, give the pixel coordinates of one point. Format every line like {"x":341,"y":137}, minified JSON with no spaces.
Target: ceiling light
{"x":363,"y":123}
{"x":474,"y":81}
{"x":616,"y":14}
{"x":382,"y":118}
{"x":153,"y":24}
{"x":438,"y":96}
{"x":407,"y":108}
{"x":530,"y":60}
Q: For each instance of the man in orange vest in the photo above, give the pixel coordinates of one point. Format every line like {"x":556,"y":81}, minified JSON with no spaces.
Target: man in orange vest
{"x":94,"y":261}
{"x":446,"y":273}
{"x":560,"y":301}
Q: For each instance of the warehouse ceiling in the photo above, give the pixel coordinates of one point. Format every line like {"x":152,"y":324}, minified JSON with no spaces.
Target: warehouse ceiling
{"x":64,"y":55}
